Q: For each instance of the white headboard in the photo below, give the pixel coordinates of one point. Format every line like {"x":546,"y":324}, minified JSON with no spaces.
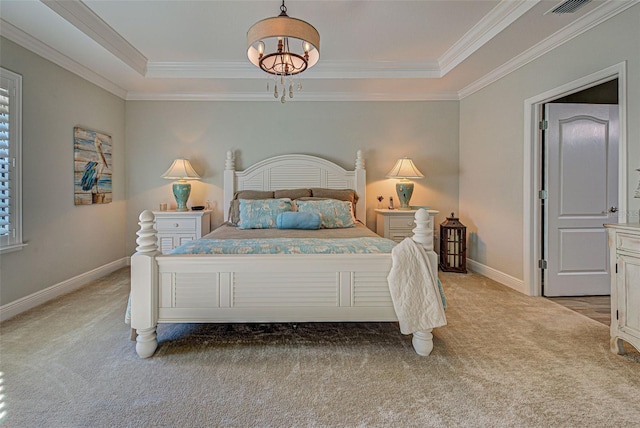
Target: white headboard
{"x":295,"y":172}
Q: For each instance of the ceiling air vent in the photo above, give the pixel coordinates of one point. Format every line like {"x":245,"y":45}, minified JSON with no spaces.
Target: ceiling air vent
{"x":569,"y":6}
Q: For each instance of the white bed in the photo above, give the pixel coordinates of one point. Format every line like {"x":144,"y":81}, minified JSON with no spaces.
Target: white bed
{"x":268,"y":287}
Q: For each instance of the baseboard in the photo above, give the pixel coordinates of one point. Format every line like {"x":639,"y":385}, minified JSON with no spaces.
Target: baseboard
{"x":17,"y":307}
{"x":496,"y":275}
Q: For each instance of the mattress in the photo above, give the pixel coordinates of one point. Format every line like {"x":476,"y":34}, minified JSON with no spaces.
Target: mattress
{"x":227,"y":231}
{"x":230,"y":240}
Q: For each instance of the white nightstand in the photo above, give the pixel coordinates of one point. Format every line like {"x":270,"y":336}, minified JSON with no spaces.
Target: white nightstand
{"x":398,"y":224}
{"x":177,"y":227}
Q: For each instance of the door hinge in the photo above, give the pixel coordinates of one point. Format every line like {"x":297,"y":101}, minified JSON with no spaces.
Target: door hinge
{"x":544,"y":124}
{"x":543,"y":194}
{"x":542,"y":264}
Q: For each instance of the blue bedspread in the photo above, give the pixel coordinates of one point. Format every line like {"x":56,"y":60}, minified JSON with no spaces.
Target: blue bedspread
{"x":287,"y":246}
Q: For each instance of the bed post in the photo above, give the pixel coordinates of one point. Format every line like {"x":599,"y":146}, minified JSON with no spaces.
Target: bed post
{"x":229,"y":183}
{"x":144,"y":286}
{"x":360,"y":186}
{"x":423,"y":234}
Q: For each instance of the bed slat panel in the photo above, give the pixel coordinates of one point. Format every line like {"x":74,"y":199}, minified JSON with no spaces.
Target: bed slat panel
{"x":294,"y":177}
{"x":283,"y":289}
{"x":196,"y":290}
{"x":254,"y":183}
{"x":371,"y":289}
{"x":337,"y":182}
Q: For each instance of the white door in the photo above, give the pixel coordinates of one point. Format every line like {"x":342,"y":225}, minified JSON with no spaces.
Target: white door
{"x":582,"y":183}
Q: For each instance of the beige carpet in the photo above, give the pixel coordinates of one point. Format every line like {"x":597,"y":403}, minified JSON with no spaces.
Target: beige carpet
{"x":504,"y":360}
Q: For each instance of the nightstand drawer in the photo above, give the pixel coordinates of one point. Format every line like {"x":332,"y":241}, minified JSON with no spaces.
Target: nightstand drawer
{"x":175,"y":224}
{"x":401,"y":222}
{"x":399,"y":237}
{"x":628,"y":242}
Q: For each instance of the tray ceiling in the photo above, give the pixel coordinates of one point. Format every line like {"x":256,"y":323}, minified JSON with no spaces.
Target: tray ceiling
{"x":370,"y":50}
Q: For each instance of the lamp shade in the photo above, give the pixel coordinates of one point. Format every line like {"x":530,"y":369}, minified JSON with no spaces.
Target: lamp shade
{"x":181,"y":169}
{"x":404,"y":168}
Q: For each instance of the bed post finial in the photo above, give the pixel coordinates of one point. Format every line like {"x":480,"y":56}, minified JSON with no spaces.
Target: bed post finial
{"x":422,"y":233}
{"x":359,"y":159}
{"x":147,"y":240}
{"x":230,"y":163}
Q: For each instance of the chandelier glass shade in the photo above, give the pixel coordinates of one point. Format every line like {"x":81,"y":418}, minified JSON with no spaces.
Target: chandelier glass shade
{"x":283,"y":47}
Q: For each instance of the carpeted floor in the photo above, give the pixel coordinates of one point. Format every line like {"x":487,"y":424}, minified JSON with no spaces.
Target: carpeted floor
{"x":504,"y":359}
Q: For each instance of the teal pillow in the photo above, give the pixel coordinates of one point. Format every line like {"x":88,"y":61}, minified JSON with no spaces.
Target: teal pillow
{"x":334,"y":214}
{"x":298,"y":220}
{"x":261,"y":213}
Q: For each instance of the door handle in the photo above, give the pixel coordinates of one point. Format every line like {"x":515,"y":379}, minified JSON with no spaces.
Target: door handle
{"x":613,"y":209}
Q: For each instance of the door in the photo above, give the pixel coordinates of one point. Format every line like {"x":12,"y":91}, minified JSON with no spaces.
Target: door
{"x":582,"y":194}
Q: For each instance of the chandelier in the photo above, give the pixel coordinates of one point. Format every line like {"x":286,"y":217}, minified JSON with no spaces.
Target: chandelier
{"x":284,"y":47}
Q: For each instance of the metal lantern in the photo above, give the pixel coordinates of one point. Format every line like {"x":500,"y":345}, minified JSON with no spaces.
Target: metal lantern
{"x":453,"y":245}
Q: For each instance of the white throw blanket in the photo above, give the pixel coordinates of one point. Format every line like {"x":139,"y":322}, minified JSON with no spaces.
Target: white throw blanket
{"x":414,"y":289}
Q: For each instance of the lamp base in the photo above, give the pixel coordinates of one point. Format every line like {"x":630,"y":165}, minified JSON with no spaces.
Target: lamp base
{"x":404,"y":189}
{"x":181,"y":191}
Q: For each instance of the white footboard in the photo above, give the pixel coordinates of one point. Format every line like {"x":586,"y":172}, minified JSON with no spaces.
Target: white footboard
{"x":261,"y":288}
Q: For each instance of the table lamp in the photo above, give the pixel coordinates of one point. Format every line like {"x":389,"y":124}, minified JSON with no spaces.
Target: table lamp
{"x":182,"y":171}
{"x":404,"y":170}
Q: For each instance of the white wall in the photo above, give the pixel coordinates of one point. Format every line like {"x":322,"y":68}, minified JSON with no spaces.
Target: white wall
{"x":492,"y":135}
{"x":157,"y":132}
{"x":63,"y":240}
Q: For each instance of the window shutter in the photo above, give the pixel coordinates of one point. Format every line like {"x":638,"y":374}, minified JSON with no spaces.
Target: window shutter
{"x":10,"y":161}
{"x":6,"y":164}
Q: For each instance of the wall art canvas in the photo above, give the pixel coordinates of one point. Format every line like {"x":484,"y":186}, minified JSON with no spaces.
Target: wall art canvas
{"x":92,"y":167}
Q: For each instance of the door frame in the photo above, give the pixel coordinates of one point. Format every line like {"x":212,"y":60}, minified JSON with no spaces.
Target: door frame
{"x":532,"y":217}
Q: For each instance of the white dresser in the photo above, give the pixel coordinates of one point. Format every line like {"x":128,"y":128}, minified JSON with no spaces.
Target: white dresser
{"x":624,"y":250}
{"x":178,"y":227}
{"x":398,"y":224}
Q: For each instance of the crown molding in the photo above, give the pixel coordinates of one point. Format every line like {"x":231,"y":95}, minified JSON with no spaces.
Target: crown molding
{"x":325,"y":70}
{"x":588,"y":21}
{"x":47,"y":52}
{"x":202,"y":70}
{"x":499,"y":18}
{"x":299,"y":97}
{"x":374,"y":70}
{"x":84,"y":19}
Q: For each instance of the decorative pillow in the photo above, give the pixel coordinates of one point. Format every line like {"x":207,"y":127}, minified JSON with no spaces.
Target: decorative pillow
{"x":253,"y":194}
{"x":292,"y":193}
{"x":234,"y":207}
{"x":298,"y":220}
{"x":335,"y":214}
{"x":261,"y":213}
{"x":339,"y":194}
